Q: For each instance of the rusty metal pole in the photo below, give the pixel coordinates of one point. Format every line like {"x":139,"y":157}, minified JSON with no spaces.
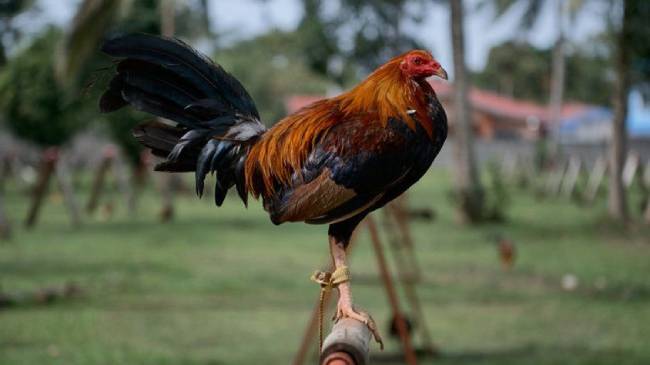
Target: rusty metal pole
{"x":407,"y":279}
{"x":402,"y":330}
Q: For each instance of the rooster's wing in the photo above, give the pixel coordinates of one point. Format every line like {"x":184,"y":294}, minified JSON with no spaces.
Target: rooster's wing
{"x":355,"y":167}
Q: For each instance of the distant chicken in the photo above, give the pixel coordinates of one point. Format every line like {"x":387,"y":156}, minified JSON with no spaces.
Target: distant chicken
{"x":332,"y":162}
{"x":506,"y":253}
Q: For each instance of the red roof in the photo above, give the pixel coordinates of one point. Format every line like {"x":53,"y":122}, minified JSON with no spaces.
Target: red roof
{"x":503,"y":106}
{"x":482,"y":100}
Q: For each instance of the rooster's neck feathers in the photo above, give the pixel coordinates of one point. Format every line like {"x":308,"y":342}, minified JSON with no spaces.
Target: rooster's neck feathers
{"x":385,"y":93}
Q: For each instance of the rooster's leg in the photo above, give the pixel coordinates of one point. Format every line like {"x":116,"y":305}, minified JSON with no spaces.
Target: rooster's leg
{"x":344,"y":307}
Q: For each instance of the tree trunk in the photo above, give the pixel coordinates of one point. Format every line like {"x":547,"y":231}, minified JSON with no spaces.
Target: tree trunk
{"x":5,"y":226}
{"x":168,"y":27}
{"x":65,"y":186}
{"x":100,"y":179}
{"x":618,"y":150}
{"x":126,"y":184}
{"x":470,"y":192}
{"x":48,"y":164}
{"x":167,"y":192}
{"x":557,"y":82}
{"x":167,"y":17}
{"x":3,"y":56}
{"x":558,"y":68}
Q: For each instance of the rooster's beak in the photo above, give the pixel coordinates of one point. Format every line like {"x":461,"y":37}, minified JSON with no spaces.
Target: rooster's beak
{"x":441,"y":73}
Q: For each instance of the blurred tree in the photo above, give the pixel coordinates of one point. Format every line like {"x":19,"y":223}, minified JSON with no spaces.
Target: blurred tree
{"x":631,"y":55}
{"x":9,"y":9}
{"x":318,"y":42}
{"x":35,"y":109}
{"x":286,"y":72}
{"x":377,"y":28}
{"x":30,"y":99}
{"x":359,"y":36}
{"x":518,"y":70}
{"x":522,"y":71}
{"x":97,"y":20}
{"x":532,"y":9}
{"x":639,"y":46}
{"x":468,"y":184}
{"x":566,"y":12}
{"x":143,"y":16}
{"x":92,"y":19}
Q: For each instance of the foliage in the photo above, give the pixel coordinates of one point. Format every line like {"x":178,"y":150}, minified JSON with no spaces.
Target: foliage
{"x":640,"y":47}
{"x":32,"y":104}
{"x":97,"y":19}
{"x":360,"y":35}
{"x":530,"y":15}
{"x":522,"y":71}
{"x":142,"y":16}
{"x":317,"y":40}
{"x":8,"y":10}
{"x":270,"y":82}
{"x":497,"y":197}
{"x":82,"y":36}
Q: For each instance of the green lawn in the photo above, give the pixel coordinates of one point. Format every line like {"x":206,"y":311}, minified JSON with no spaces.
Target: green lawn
{"x":225,"y":286}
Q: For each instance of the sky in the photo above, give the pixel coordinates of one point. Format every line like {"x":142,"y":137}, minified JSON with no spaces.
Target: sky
{"x":242,"y":19}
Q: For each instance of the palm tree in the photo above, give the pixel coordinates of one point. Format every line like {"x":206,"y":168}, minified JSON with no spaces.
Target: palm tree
{"x":618,"y":208}
{"x":470,"y":191}
{"x":91,"y":21}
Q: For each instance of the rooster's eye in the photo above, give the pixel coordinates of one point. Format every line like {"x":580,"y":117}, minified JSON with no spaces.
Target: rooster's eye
{"x":417,"y":61}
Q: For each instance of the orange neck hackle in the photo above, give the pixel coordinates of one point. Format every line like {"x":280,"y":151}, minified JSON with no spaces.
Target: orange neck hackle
{"x":387,"y":93}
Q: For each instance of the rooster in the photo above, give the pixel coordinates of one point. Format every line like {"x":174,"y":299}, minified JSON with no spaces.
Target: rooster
{"x":332,"y":162}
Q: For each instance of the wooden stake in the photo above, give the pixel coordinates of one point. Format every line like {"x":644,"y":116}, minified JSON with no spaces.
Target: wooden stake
{"x":5,"y":226}
{"x":595,"y":179}
{"x":66,"y":188}
{"x":408,"y":282}
{"x":100,"y":178}
{"x":48,"y":164}
{"x":126,"y":184}
{"x":645,"y":187}
{"x":571,"y":177}
{"x":402,"y":330}
{"x":630,"y":168}
{"x":555,"y":179}
{"x":167,"y":195}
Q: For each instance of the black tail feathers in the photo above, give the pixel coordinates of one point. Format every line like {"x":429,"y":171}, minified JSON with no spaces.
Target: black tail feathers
{"x":216,"y":119}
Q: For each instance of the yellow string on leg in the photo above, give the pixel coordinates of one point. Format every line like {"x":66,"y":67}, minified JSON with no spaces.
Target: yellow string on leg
{"x":327,"y":282}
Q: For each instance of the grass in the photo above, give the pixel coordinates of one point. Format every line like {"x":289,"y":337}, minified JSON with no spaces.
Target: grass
{"x":225,"y":286}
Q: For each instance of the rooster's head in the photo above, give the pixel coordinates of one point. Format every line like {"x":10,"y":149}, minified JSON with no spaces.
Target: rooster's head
{"x":420,"y":64}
